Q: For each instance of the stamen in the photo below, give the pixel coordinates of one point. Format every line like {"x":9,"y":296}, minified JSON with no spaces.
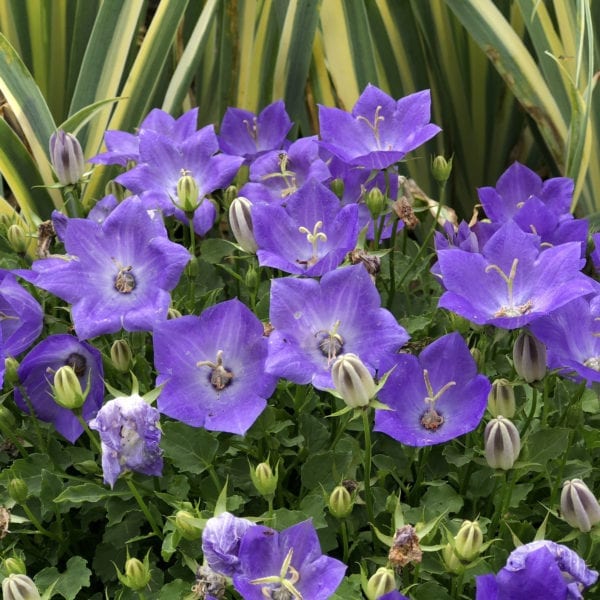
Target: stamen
{"x":510,"y":310}
{"x":252,"y":128}
{"x":220,"y":377}
{"x":593,"y":363}
{"x":332,"y":343}
{"x":431,"y":418}
{"x":374,"y":126}
{"x":288,"y":176}
{"x":282,"y":586}
{"x":313,"y":238}
{"x":125,"y":281}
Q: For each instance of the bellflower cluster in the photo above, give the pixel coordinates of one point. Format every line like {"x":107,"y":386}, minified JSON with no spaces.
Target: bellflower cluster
{"x":245,"y":134}
{"x":213,"y":368}
{"x":310,"y":236}
{"x":36,"y":373}
{"x":130,"y":436}
{"x":435,"y":397}
{"x":511,"y":282}
{"x":541,"y":570}
{"x":317,"y":321}
{"x":380,"y":131}
{"x":21,"y":315}
{"x":117,"y":274}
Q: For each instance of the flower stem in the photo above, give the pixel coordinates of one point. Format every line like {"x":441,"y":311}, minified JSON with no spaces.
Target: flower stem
{"x":144,"y":508}
{"x":345,"y":547}
{"x":37,"y":524}
{"x":93,"y":439}
{"x":367,"y":466}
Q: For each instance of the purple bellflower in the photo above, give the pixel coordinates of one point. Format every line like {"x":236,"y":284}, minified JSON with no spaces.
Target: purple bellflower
{"x":435,"y":397}
{"x":123,"y":147}
{"x":117,"y":274}
{"x":213,"y":368}
{"x":380,"y":131}
{"x":248,"y":135}
{"x":315,"y":322}
{"x":162,"y":164}
{"x":276,"y":175}
{"x":287,"y":564}
{"x":36,"y":375}
{"x":221,"y":542}
{"x":21,"y":316}
{"x":571,"y":335}
{"x":310,"y":236}
{"x":130,"y":436}
{"x":537,"y":207}
{"x":512,"y":282}
{"x":541,"y":570}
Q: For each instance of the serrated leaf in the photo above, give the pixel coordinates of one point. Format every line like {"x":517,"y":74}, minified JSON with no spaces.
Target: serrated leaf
{"x":190,"y":449}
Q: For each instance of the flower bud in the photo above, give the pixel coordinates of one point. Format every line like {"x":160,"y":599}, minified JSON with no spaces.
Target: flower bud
{"x":66,"y":156}
{"x":17,"y":239}
{"x":229,"y":195}
{"x":381,"y":583}
{"x":529,"y":357}
{"x":337,"y":187}
{"x":188,"y":525}
{"x":441,"y":168}
{"x":7,"y":419}
{"x":501,"y":400}
{"x":120,"y":355}
{"x":187,"y":194}
{"x":502,"y":443}
{"x":252,"y":278}
{"x":19,"y":587}
{"x":340,"y":502}
{"x":353,"y":381}
{"x":173,"y":313}
{"x":468,"y":540}
{"x":137,"y":573}
{"x":240,"y":221}
{"x":376,"y":202}
{"x":11,"y":366}
{"x":67,"y":388}
{"x":18,"y":490}
{"x":14,"y":565}
{"x":112,"y":188}
{"x":451,"y":560}
{"x":578,"y":505}
{"x":264,"y":480}
{"x":6,"y":221}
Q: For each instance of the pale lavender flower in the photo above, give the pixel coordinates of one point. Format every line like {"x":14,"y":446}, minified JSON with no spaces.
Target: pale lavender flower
{"x":286,"y":564}
{"x":21,"y":316}
{"x":380,"y":131}
{"x":541,"y":570}
{"x":117,"y":274}
{"x":130,"y":435}
{"x":315,"y":322}
{"x":248,"y":135}
{"x":310,"y":236}
{"x":213,"y":368}
{"x":221,"y":539}
{"x":511,"y":282}
{"x":36,"y":375}
{"x":435,"y":397}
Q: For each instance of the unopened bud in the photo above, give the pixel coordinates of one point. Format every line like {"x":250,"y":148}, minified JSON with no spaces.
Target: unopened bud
{"x":229,"y":195}
{"x":264,"y":480}
{"x":529,"y":357}
{"x":340,"y":502}
{"x":137,"y":573}
{"x":381,"y":583}
{"x":17,"y":239}
{"x":187,"y":194}
{"x":173,"y":313}
{"x":441,"y":168}
{"x":252,"y":278}
{"x":19,"y":587}
{"x":18,"y":490}
{"x":353,"y":381}
{"x":240,"y":221}
{"x":376,"y":202}
{"x":188,"y":525}
{"x":11,"y":366}
{"x":6,"y":221}
{"x":7,"y":419}
{"x":337,"y":187}
{"x":502,"y":443}
{"x":578,"y":505}
{"x":112,"y":188}
{"x":501,"y":400}
{"x":120,"y":355}
{"x":67,"y":388}
{"x":14,"y":566}
{"x":468,"y":540}
{"x":67,"y":158}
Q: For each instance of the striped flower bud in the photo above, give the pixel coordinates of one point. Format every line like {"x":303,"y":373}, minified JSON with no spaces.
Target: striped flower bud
{"x":66,"y":156}
{"x":529,"y":357}
{"x":502,"y":443}
{"x":381,"y":583}
{"x":19,"y":587}
{"x":240,"y":221}
{"x":340,"y":502}
{"x":67,"y":388}
{"x":353,"y":381}
{"x":501,"y":400}
{"x":578,"y":505}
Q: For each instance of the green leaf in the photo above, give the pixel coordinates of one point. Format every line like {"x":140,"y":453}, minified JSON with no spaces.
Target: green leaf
{"x":546,"y":445}
{"x":87,"y":492}
{"x":191,"y":450}
{"x":69,"y":583}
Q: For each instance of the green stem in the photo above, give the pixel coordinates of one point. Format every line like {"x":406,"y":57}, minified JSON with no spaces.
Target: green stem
{"x":37,"y":524}
{"x":391,"y":263}
{"x":72,"y":203}
{"x":144,"y":508}
{"x":14,"y":440}
{"x":93,"y":439}
{"x":367,"y":466}
{"x":345,"y":547}
{"x":192,"y":235}
{"x":531,"y":413}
